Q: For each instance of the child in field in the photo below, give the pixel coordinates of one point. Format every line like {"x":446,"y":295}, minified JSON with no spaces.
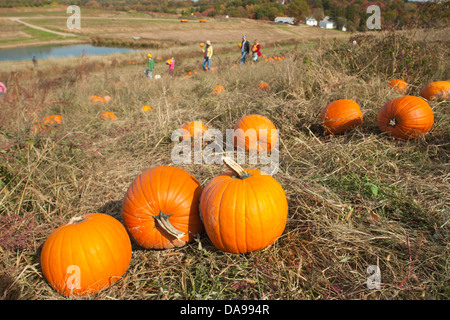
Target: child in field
{"x":208,"y":52}
{"x":171,"y":63}
{"x":150,"y":66}
{"x":256,"y":49}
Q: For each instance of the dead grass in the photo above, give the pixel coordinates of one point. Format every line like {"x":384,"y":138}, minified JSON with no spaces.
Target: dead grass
{"x":355,"y":200}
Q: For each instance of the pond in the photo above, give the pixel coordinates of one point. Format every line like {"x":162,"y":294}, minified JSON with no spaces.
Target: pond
{"x":45,"y":52}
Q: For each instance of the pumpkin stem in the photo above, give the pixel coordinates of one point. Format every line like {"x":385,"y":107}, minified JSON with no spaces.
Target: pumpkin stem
{"x":392,"y":122}
{"x":75,"y":220}
{"x":236,"y":168}
{"x":163,"y":222}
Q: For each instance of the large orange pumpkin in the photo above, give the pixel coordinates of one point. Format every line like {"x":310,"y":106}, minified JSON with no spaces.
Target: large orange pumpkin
{"x":406,"y":117}
{"x":438,"y":90}
{"x":340,"y":116}
{"x":89,"y":253}
{"x":255,"y":133}
{"x":160,"y":208}
{"x":398,"y":85}
{"x":243,"y":210}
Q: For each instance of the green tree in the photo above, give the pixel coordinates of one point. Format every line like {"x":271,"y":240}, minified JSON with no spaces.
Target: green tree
{"x":298,"y":9}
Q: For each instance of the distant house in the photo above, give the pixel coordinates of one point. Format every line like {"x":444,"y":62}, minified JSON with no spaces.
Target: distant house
{"x":327,"y":23}
{"x":285,"y":20}
{"x":311,"y":21}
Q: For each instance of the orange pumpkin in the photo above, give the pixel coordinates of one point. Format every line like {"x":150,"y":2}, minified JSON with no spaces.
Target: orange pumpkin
{"x":218,"y":90}
{"x":107,"y":115}
{"x":160,"y":208}
{"x":340,"y":116}
{"x":146,"y":108}
{"x":201,"y":45}
{"x":255,"y":133}
{"x":243,"y":210}
{"x":194,"y":129}
{"x":264,"y":86}
{"x":48,"y":123}
{"x":86,"y":255}
{"x":406,"y":117}
{"x":438,"y":90}
{"x":398,"y":85}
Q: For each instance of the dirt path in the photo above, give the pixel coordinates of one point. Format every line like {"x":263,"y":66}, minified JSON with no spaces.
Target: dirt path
{"x":41,"y":28}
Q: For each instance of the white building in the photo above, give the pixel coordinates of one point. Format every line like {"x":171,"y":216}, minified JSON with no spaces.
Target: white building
{"x":327,"y":23}
{"x":311,"y":21}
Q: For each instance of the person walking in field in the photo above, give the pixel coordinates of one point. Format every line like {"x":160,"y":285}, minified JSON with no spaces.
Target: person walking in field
{"x":256,"y":49}
{"x":208,"y":52}
{"x":150,"y":66}
{"x":245,"y":48}
{"x":2,"y":89}
{"x":171,"y":63}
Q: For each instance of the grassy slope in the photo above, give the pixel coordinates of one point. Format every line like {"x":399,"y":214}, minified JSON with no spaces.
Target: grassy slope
{"x":354,"y":200}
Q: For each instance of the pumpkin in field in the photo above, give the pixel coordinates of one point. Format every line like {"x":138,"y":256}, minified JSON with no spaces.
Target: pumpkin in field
{"x":239,"y":45}
{"x":48,"y":123}
{"x":340,"y":116}
{"x":194,"y":129}
{"x":160,"y":208}
{"x":255,"y":133}
{"x":107,"y":115}
{"x":398,"y":85}
{"x":146,"y":108}
{"x":168,"y":62}
{"x":406,"y":117}
{"x":218,"y":90}
{"x":201,"y":45}
{"x":264,"y":86}
{"x":243,"y":210}
{"x":89,"y":253}
{"x":438,"y":90}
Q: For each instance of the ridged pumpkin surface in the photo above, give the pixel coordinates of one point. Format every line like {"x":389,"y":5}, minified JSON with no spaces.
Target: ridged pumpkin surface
{"x":340,"y":116}
{"x":255,"y":132}
{"x":406,"y":117}
{"x":243,"y":215}
{"x":86,"y":255}
{"x":160,"y":208}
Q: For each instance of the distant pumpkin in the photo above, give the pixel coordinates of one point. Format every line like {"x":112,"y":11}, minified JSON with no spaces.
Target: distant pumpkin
{"x":398,"y":85}
{"x":194,"y":129}
{"x":146,"y":108}
{"x":107,"y":115}
{"x":255,"y":132}
{"x":48,"y":123}
{"x":218,"y":90}
{"x":264,"y":86}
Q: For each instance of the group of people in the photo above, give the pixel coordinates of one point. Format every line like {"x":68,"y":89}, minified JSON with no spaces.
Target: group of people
{"x":207,"y":56}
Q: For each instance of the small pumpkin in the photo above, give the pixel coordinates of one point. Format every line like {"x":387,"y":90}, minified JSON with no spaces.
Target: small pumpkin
{"x":243,"y":210}
{"x":406,"y":117}
{"x":340,"y":116}
{"x":438,"y":90}
{"x":89,"y":253}
{"x":398,"y":85}
{"x":264,"y":86}
{"x":194,"y":129}
{"x":201,"y":45}
{"x":219,"y":89}
{"x":255,"y":132}
{"x":108,"y":115}
{"x":107,"y":99}
{"x":146,"y":108}
{"x":160,"y":209}
{"x":48,"y":123}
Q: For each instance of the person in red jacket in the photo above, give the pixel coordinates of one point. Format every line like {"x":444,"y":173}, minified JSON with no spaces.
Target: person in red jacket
{"x":256,"y":49}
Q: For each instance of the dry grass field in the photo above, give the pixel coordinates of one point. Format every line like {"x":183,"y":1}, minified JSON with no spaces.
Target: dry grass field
{"x":355,"y":200}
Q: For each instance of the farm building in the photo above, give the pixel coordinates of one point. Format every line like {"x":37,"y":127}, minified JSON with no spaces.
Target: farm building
{"x":285,"y":20}
{"x":311,"y":21}
{"x":327,"y":23}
